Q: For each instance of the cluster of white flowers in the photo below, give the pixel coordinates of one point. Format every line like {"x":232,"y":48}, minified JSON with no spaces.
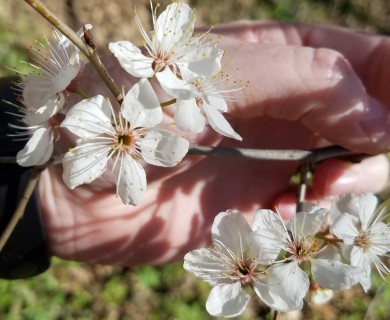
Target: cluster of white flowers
{"x":318,"y":250}
{"x":186,"y":67}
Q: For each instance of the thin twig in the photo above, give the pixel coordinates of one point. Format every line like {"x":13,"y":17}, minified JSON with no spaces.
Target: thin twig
{"x":313,"y":156}
{"x":19,"y":212}
{"x":302,"y":190}
{"x":276,"y":315}
{"x":89,"y":52}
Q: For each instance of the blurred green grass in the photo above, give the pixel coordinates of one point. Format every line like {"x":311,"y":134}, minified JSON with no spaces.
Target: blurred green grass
{"x":71,"y":290}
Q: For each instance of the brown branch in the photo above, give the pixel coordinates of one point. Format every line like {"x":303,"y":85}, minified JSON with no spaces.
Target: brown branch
{"x":19,"y":212}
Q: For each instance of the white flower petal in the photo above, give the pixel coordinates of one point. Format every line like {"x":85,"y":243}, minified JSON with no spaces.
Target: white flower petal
{"x":360,"y":258}
{"x":163,"y":148}
{"x":174,"y":26}
{"x":64,"y":77}
{"x":344,"y":228}
{"x":89,"y":117}
{"x":131,"y":59}
{"x":215,"y":99}
{"x":52,"y":106}
{"x":268,"y":232}
{"x":232,"y":230}
{"x":131,"y":180}
{"x":379,"y":234}
{"x":38,"y":149}
{"x":219,"y":123}
{"x":206,"y":61}
{"x":204,"y":263}
{"x":307,"y":223}
{"x":32,"y":93}
{"x":141,"y":106}
{"x":84,"y":163}
{"x":174,"y":86}
{"x":286,"y":286}
{"x":367,"y":204}
{"x":227,"y":300}
{"x":188,"y":116}
{"x":335,"y":275}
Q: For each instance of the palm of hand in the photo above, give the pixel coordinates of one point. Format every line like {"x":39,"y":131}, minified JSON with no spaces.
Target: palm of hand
{"x":91,"y":224}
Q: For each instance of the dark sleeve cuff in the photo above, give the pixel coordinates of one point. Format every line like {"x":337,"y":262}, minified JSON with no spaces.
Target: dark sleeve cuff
{"x":25,"y":253}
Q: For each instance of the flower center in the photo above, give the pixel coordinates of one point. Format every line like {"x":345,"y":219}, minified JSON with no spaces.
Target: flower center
{"x":159,"y":64}
{"x":126,"y":140}
{"x":245,"y":270}
{"x":305,"y":248}
{"x":362,"y":240}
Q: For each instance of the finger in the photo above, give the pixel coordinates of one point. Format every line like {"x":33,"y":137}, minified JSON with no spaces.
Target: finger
{"x":317,"y":87}
{"x":367,"y":53}
{"x":335,"y":177}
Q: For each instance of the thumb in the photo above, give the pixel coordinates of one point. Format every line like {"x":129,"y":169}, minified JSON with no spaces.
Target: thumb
{"x":317,"y":87}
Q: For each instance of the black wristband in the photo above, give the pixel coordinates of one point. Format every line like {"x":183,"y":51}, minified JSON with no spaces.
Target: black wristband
{"x":25,"y":254}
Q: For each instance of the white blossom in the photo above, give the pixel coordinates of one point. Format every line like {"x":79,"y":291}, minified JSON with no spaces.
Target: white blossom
{"x":56,"y":64}
{"x":210,"y":100}
{"x":229,"y":265}
{"x":41,"y":127}
{"x":172,"y":52}
{"x":363,"y":231}
{"x":120,"y":141}
{"x":288,"y":281}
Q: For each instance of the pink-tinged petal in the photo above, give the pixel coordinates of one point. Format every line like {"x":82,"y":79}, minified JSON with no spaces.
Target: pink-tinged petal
{"x":84,"y":163}
{"x":89,"y":118}
{"x":285,"y":287}
{"x":205,"y":62}
{"x":163,"y":148}
{"x":227,"y":300}
{"x":141,"y":106}
{"x":38,"y":149}
{"x":174,"y":86}
{"x":174,"y":26}
{"x":204,"y":263}
{"x":268,"y":232}
{"x":344,"y":228}
{"x":131,"y":59}
{"x":131,"y":180}
{"x":232,"y":229}
{"x":188,"y":116}
{"x":335,"y":275}
{"x":219,"y":123}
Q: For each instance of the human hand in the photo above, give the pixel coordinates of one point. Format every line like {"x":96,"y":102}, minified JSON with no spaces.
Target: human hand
{"x":299,"y":97}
